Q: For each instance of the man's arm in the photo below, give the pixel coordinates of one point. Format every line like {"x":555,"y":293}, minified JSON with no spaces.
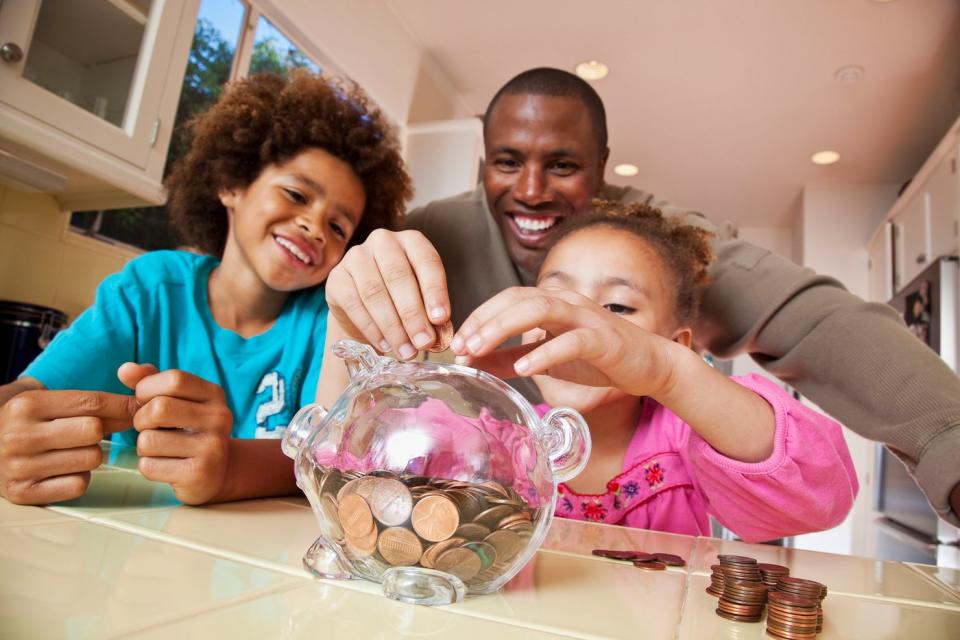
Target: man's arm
{"x":853,"y":358}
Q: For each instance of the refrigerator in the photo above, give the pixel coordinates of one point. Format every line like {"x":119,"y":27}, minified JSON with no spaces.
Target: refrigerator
{"x":907,"y":527}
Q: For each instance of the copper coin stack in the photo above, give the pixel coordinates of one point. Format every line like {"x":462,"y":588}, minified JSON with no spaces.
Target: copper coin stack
{"x":382,"y":520}
{"x":742,"y":600}
{"x":716,"y":580}
{"x":642,"y":559}
{"x":791,"y":617}
{"x":770,"y":573}
{"x":808,"y":589}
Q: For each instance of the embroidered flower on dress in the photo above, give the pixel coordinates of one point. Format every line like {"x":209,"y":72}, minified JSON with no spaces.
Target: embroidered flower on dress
{"x":653,"y":473}
{"x":630,"y":489}
{"x":566,"y":504}
{"x":594,"y":511}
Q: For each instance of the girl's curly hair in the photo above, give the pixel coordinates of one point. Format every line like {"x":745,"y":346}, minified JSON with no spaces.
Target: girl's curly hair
{"x":684,"y":249}
{"x":266,"y":120}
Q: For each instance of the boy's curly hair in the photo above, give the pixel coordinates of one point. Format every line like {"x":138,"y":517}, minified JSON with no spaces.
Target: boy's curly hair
{"x":266,"y":119}
{"x":684,"y":249}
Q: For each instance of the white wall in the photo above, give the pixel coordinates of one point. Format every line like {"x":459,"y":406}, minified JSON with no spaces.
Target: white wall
{"x":369,"y":44}
{"x":835,"y":224}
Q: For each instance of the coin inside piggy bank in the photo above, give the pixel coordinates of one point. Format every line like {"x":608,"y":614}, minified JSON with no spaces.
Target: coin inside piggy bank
{"x":435,"y":480}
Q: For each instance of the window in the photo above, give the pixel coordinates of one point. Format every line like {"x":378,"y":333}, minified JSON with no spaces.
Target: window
{"x":217,"y":55}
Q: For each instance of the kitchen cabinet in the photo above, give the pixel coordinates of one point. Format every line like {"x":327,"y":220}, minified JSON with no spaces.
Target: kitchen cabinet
{"x":880,"y":264}
{"x":942,"y":191}
{"x":911,"y":240}
{"x":90,"y":90}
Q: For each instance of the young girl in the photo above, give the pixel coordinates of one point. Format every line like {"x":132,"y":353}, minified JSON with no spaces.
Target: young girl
{"x":219,"y":348}
{"x":673,"y":439}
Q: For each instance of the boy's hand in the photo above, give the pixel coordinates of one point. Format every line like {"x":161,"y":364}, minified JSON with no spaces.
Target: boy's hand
{"x":49,"y":441}
{"x":184,"y":426}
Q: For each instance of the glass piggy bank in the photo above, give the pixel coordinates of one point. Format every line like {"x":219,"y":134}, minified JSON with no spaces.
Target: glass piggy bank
{"x":435,"y":480}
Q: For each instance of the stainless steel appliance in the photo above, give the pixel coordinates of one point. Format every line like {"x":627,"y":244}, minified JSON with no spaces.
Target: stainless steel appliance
{"x":907,"y":527}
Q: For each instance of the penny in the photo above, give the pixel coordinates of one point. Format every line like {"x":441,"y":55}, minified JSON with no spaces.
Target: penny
{"x":363,"y":546}
{"x":485,"y":551}
{"x":435,"y":518}
{"x":493,"y":515}
{"x":329,"y":482}
{"x":390,"y":502}
{"x":520,"y":516}
{"x":433,"y":552}
{"x":399,"y":546}
{"x":444,"y":336}
{"x":670,"y":560}
{"x":355,"y":516}
{"x":463,"y":563}
{"x":507,"y":543}
{"x":472,"y":531}
{"x":650,"y":565}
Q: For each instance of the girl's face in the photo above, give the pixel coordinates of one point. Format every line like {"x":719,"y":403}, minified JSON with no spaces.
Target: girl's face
{"x":621,"y":272}
{"x":291,"y":225}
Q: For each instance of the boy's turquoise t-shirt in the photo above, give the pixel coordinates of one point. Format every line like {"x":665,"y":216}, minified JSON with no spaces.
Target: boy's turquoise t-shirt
{"x":156,"y":311}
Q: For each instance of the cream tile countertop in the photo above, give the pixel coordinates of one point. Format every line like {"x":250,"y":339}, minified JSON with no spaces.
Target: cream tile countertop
{"x":127,"y":560}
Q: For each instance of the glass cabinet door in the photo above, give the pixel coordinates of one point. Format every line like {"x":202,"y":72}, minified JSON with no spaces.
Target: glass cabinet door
{"x":87,"y":51}
{"x":92,"y":68}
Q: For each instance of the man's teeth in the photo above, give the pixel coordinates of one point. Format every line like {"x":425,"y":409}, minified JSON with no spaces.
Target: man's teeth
{"x":294,"y":249}
{"x":534,"y":224}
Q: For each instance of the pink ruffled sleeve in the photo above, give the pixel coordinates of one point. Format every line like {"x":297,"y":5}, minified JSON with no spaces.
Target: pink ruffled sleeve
{"x":807,"y":484}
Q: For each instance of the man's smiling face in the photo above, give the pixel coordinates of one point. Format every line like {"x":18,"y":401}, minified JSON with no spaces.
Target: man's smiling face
{"x":543,"y":164}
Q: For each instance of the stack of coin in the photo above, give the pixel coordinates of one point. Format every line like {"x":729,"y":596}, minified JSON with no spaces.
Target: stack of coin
{"x":791,"y":617}
{"x":770,"y":573}
{"x":716,"y":580}
{"x":381,"y":520}
{"x":741,"y":600}
{"x":809,"y":589}
{"x":739,"y":568}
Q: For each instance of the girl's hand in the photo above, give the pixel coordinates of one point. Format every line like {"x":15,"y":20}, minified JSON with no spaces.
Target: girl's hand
{"x":583,"y":342}
{"x":184,"y":426}
{"x":49,"y":440}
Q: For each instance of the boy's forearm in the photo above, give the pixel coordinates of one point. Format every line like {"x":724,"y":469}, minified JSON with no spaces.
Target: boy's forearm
{"x":257,"y":469}
{"x":733,"y":419}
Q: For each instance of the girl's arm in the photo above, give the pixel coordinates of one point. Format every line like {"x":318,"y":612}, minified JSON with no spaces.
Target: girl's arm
{"x":733,"y":419}
{"x":590,"y":345}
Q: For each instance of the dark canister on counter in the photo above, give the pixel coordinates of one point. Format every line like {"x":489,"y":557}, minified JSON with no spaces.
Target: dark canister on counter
{"x":25,"y":330}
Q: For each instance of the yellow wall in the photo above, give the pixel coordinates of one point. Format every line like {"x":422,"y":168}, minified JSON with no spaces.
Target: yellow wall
{"x":41,"y":263}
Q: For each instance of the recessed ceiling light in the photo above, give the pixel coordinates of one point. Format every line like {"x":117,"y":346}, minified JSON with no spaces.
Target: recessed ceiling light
{"x":592,"y":70}
{"x":825,"y":157}
{"x":849,"y":74}
{"x":626,"y":170}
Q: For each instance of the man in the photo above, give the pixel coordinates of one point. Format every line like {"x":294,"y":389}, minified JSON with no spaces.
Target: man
{"x":546,"y":148}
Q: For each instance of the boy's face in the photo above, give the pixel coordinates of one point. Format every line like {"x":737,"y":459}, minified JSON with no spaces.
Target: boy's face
{"x":543,"y":164}
{"x":291,"y":225}
{"x":619,"y":271}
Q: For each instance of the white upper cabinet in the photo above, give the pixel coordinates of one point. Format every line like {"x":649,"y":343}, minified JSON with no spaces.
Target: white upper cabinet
{"x":943,"y":203}
{"x":880,"y":252}
{"x":90,"y":91}
{"x":911,"y":233}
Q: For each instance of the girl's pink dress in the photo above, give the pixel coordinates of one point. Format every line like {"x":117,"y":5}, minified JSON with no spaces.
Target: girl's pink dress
{"x":672,"y":479}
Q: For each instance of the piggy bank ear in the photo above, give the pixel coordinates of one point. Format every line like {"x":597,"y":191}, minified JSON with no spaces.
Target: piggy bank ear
{"x":565,"y":436}
{"x":534,"y":335}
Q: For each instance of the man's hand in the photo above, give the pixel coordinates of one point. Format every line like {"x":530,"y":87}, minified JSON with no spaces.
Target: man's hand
{"x":390,"y":291}
{"x":184,"y":426}
{"x":49,"y":441}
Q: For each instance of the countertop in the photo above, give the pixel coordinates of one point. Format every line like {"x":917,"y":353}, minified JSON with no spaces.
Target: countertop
{"x":127,"y":560}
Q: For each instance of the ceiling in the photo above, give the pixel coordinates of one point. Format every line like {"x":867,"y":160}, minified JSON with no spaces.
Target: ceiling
{"x":721,"y":103}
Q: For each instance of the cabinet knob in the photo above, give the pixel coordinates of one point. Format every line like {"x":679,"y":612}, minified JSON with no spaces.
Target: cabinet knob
{"x":921,"y":258}
{"x":11,"y":52}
